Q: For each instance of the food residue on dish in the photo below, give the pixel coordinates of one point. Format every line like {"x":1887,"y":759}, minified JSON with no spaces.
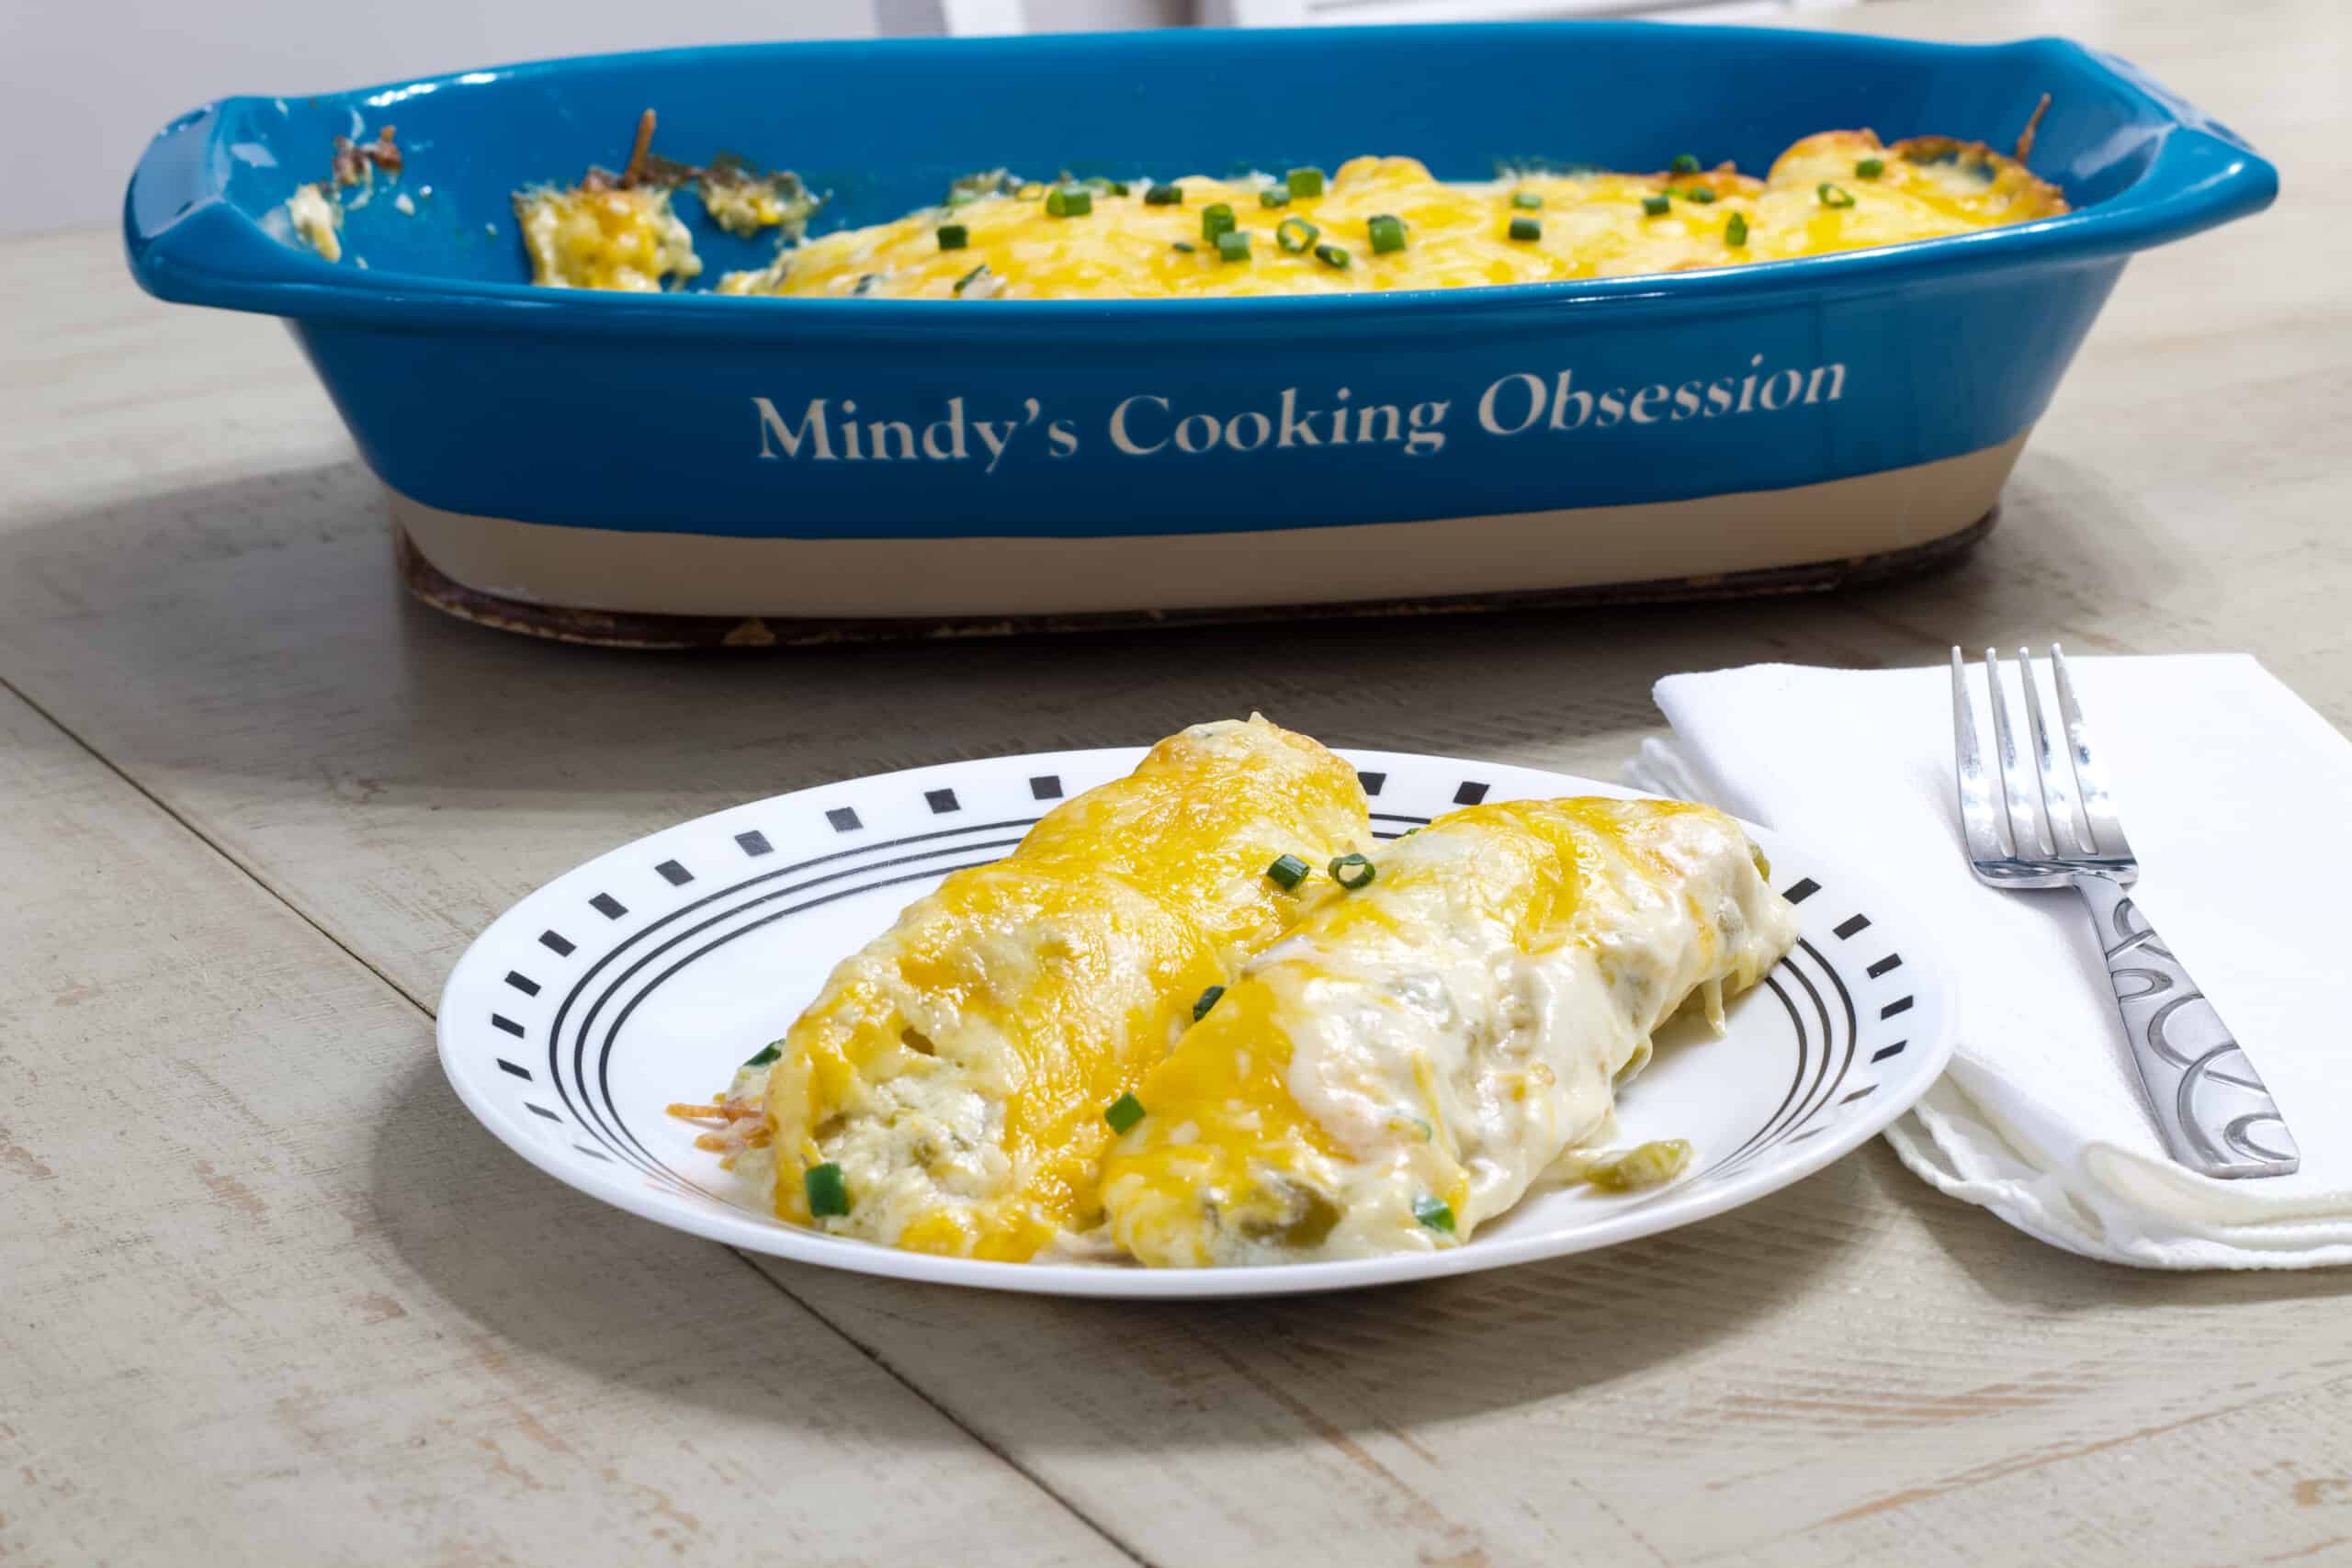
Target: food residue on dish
{"x":618,"y":231}
{"x":315,"y":211}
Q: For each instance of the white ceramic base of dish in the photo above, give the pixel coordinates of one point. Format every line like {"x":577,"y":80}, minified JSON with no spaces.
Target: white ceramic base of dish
{"x":708,"y":575}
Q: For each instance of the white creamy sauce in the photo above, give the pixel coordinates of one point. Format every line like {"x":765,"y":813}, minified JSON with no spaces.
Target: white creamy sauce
{"x":927,"y":1136}
{"x":1512,"y":1057}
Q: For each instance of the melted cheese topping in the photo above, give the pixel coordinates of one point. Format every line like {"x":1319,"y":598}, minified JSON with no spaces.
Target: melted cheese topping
{"x":744,"y":205}
{"x":1405,"y":1063}
{"x":621,"y":238}
{"x":957,"y":1068}
{"x":1457,"y":235}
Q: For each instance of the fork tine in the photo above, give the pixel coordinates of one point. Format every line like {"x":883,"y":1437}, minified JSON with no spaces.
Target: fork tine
{"x":2057,"y":796}
{"x":2029,"y":829}
{"x":1987,"y":837}
{"x":2090,"y":779}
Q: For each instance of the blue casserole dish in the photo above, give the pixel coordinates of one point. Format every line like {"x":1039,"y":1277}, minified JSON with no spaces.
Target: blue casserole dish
{"x":655,"y":455}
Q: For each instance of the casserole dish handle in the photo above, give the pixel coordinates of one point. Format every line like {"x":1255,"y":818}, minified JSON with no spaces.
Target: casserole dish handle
{"x":2204,"y":173}
{"x":187,"y":241}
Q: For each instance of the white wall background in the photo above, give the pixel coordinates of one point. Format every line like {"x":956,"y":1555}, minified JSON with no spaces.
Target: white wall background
{"x":84,"y":83}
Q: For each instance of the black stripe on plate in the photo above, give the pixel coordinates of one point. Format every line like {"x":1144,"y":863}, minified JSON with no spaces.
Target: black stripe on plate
{"x":1045,"y":787}
{"x":1868,"y":1089}
{"x":1891,"y":1008}
{"x":522,"y":983}
{"x":507,"y":1067}
{"x":541,"y":1111}
{"x":594,"y":1153}
{"x":941,"y":801}
{"x":1884,"y":1052}
{"x":1773,"y":1125}
{"x":554,"y":943}
{"x":1801,"y":891}
{"x":608,"y":905}
{"x":500,"y":1021}
{"x":1471,"y":793}
{"x":844,"y":818}
{"x":1810,"y":1133}
{"x":1892,"y":961}
{"x":1849,"y":925}
{"x":1370,"y":782}
{"x":652,"y":930}
{"x":754,"y":844}
{"x":674,"y":874}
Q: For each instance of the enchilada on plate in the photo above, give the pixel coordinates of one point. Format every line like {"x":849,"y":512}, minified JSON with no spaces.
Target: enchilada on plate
{"x":1422,"y":1046}
{"x":945,"y":1091}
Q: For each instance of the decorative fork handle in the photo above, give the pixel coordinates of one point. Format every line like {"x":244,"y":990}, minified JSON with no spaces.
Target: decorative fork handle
{"x":2216,"y":1114}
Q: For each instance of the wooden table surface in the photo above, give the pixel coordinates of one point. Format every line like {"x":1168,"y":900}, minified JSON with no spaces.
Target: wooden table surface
{"x":273,"y":1296}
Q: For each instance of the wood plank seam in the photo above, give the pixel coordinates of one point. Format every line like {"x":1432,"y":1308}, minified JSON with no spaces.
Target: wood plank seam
{"x":206,"y":839}
{"x":1100,"y":1529}
{"x":1110,"y":1537}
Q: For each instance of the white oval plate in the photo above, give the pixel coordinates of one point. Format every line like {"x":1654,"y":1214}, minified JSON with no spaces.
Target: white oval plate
{"x":647,"y":975}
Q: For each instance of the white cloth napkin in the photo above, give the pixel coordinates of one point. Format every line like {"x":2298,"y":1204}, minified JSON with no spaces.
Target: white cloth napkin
{"x":2238,"y":800}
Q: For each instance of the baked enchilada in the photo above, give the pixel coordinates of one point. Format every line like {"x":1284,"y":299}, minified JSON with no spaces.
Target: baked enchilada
{"x":946,"y":1090}
{"x":1426,"y":1044}
{"x":1375,"y":223}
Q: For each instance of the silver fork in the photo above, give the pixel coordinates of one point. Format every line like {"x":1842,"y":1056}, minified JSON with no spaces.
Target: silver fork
{"x":2059,"y":829}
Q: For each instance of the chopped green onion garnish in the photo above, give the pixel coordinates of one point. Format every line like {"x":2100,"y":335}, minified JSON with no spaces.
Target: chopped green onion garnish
{"x":953,"y":236}
{"x":1186,"y":246}
{"x":1216,"y":219}
{"x":768,"y":1053}
{"x":1526,"y":198}
{"x":1209,"y":1000}
{"x":1117,"y":188}
{"x":1428,"y":1133}
{"x":1028,"y":191}
{"x":1332,"y":256}
{"x":1305,"y":183}
{"x":1685,"y":164}
{"x":1387,"y":234}
{"x":1434,"y":1213}
{"x":970,"y":277}
{"x":1526,"y":229}
{"x":1702,"y":195}
{"x":1870,"y":169}
{"x":1123,"y":1112}
{"x":1834,"y":195}
{"x":1233,"y":245}
{"x":1656,"y":206}
{"x":1068,"y":202}
{"x":1164,"y":196}
{"x":827,"y":1193}
{"x":1735,"y":231}
{"x":1353,"y":872}
{"x":1289,"y":871}
{"x":1296,"y":235}
{"x":1273,"y":195}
